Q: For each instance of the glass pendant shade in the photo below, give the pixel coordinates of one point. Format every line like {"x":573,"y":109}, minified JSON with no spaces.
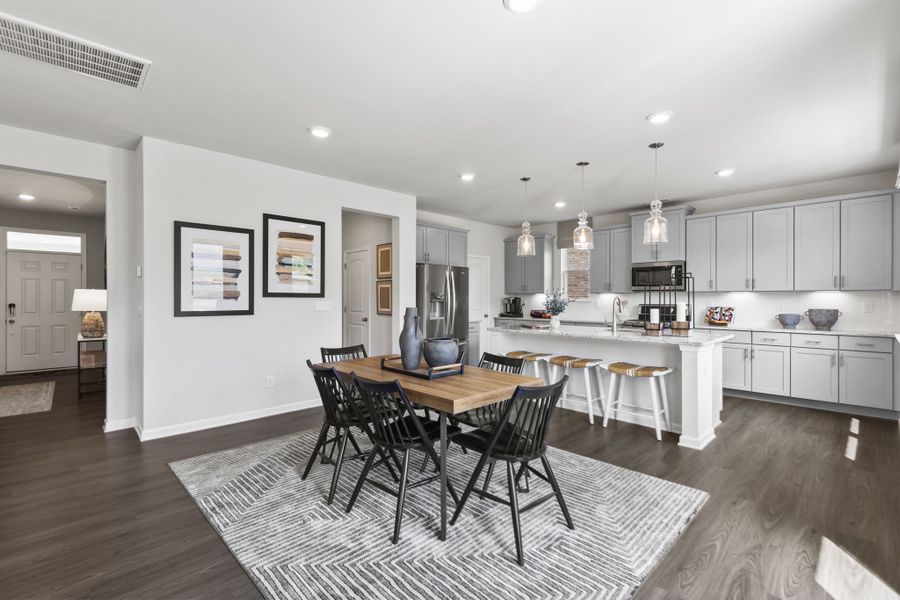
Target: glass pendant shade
{"x":525,"y":243}
{"x":656,"y":227}
{"x":583,"y":238}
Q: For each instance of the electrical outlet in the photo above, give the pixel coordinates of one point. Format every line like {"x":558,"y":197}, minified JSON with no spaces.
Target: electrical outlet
{"x":324,"y":305}
{"x":867,"y":307}
{"x":270,"y":381}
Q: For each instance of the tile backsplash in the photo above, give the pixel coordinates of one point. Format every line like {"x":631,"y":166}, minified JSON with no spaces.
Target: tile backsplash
{"x":875,"y":311}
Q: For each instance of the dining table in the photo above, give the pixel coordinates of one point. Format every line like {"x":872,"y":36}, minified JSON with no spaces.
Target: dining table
{"x":447,"y":396}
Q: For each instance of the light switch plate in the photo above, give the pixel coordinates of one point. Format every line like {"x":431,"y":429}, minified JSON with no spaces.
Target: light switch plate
{"x":324,"y":305}
{"x":139,"y":271}
{"x":867,"y":307}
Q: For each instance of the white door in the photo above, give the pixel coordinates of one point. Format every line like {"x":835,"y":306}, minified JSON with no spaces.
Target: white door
{"x":356,"y":297}
{"x":773,"y":250}
{"x":734,"y":254}
{"x":480,"y":297}
{"x":40,"y":327}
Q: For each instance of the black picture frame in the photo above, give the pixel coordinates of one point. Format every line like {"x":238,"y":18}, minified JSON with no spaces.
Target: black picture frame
{"x":251,"y":275}
{"x":268,"y":253}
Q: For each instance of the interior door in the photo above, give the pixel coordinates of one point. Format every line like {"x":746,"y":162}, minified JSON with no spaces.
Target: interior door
{"x":40,"y":327}
{"x":356,"y":297}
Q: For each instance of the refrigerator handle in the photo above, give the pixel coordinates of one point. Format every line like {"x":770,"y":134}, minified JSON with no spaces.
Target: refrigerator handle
{"x":451,"y":309}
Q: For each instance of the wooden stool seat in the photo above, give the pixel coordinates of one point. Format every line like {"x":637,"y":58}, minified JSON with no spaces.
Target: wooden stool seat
{"x":589,"y":367}
{"x":535,"y":359}
{"x":633,"y":370}
{"x":562,"y":360}
{"x":519,"y":354}
{"x":582,"y":363}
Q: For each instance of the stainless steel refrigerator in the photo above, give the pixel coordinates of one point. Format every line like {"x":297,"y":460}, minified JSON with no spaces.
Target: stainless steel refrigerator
{"x":442,"y":298}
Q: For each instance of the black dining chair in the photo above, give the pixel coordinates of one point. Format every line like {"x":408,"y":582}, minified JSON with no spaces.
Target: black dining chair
{"x":396,"y":428}
{"x":345,"y":353}
{"x":518,"y":437}
{"x":342,"y":412}
{"x":488,"y":415}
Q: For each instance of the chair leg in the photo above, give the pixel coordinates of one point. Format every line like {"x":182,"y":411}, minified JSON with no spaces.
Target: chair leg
{"x":665,"y":401}
{"x":656,"y":408}
{"x":514,"y":508}
{"x":355,"y":445}
{"x":323,"y":435}
{"x":487,"y":479}
{"x":401,"y":495}
{"x":473,"y":481}
{"x":523,"y":470}
{"x":387,"y":463}
{"x":557,"y":491}
{"x":565,"y":394}
{"x":340,"y":462}
{"x":588,"y":395}
{"x":361,"y":481}
{"x":611,"y":404}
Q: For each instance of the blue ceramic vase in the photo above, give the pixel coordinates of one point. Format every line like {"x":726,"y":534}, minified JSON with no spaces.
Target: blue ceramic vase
{"x":411,"y":339}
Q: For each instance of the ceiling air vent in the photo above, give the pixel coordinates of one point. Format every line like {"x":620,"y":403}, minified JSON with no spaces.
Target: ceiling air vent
{"x":53,"y":47}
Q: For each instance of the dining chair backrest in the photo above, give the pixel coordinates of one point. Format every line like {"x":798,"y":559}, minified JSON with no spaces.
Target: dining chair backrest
{"x":504,"y":364}
{"x":336,"y":397}
{"x":345,"y":353}
{"x":394,"y":423}
{"x":522,"y":430}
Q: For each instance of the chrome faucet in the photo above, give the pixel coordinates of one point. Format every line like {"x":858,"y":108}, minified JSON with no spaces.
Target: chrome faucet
{"x":617,"y":303}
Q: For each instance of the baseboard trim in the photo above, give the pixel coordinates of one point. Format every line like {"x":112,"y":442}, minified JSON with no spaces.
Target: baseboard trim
{"x":579,"y":405}
{"x":695,"y":443}
{"x":848,"y":409}
{"x":170,"y":430}
{"x":118,"y":425}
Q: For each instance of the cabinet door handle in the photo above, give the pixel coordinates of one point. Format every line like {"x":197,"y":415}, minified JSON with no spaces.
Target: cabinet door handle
{"x":864,"y":345}
{"x":843,"y":281}
{"x":812,"y":342}
{"x":711,"y":286}
{"x":752,"y":353}
{"x":747,"y":283}
{"x":746,"y":353}
{"x":769,"y":340}
{"x":754,"y":283}
{"x":835,"y":282}
{"x":833,"y":361}
{"x":842,"y":360}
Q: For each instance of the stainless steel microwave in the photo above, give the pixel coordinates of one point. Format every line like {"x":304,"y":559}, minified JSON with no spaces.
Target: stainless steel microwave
{"x":655,"y":275}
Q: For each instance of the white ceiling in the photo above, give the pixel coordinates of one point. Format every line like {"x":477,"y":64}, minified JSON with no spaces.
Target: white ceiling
{"x":53,"y":193}
{"x":416,"y":92}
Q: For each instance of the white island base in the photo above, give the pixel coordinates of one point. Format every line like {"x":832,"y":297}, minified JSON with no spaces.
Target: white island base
{"x":694,"y":387}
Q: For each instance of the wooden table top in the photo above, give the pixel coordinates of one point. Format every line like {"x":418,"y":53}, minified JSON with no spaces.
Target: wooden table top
{"x":454,"y":394}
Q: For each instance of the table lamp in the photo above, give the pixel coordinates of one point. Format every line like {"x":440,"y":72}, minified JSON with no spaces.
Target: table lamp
{"x":90,"y":302}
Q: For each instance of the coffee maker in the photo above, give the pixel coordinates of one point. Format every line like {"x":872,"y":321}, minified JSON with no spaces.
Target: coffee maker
{"x":512,"y":307}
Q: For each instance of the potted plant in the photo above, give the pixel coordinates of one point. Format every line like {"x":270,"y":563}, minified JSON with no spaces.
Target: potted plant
{"x":555,"y":303}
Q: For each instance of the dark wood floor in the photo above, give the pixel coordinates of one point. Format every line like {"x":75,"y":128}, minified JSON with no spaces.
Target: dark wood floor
{"x":89,"y":515}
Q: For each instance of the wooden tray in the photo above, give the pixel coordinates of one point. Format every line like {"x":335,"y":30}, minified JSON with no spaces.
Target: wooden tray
{"x":393,"y":364}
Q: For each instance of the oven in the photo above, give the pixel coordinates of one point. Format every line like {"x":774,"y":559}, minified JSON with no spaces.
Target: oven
{"x":647,"y":276}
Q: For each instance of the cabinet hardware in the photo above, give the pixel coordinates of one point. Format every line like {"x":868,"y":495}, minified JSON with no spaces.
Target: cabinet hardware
{"x":752,"y":353}
{"x":812,"y":342}
{"x":832,"y":359}
{"x":769,"y":339}
{"x":842,"y":359}
{"x":746,"y":353}
{"x":835,"y":282}
{"x":747,"y":283}
{"x":754,"y":283}
{"x":711,"y":284}
{"x":843,"y":281}
{"x":864,"y":345}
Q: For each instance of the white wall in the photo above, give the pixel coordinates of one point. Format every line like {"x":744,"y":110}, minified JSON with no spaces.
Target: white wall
{"x":365,"y":231}
{"x":206,"y":371}
{"x":25,"y":149}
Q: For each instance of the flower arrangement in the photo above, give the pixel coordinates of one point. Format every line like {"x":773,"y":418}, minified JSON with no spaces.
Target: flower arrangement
{"x":555,"y":302}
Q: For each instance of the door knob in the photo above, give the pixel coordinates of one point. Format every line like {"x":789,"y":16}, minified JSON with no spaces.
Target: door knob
{"x":365,"y":319}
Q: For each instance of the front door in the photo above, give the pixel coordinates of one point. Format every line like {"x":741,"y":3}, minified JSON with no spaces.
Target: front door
{"x":41,"y":329}
{"x":356,"y":297}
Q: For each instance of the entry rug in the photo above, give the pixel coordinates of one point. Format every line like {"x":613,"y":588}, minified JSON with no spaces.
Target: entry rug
{"x":26,"y":398}
{"x":293,"y":545}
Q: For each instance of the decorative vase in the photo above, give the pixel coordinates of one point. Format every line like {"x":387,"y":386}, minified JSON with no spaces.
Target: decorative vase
{"x":554,"y":322}
{"x":440,"y":351}
{"x":411,"y":339}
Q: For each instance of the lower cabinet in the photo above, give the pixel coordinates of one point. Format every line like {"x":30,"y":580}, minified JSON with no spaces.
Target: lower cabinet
{"x":867,"y":379}
{"x":736,"y":366}
{"x":771,"y":370}
{"x":814,"y":374}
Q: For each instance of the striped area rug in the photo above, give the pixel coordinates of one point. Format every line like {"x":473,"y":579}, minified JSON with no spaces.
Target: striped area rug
{"x":293,"y":545}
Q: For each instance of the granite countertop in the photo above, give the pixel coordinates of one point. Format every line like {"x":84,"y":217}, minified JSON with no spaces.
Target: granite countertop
{"x":696,"y":338}
{"x":765,"y":329}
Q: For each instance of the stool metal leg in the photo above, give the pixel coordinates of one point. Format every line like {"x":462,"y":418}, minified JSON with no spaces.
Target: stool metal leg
{"x":656,"y":406}
{"x":665,"y":401}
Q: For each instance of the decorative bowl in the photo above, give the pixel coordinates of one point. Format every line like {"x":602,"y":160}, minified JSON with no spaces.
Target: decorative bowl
{"x":823,"y":319}
{"x":440,"y":351}
{"x":540,"y":314}
{"x":789,"y":320}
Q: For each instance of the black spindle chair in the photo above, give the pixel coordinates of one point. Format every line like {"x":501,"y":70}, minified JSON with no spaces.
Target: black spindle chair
{"x":342,"y":411}
{"x":345,"y":353}
{"x":518,"y":437}
{"x":488,"y":415}
{"x":396,"y":427}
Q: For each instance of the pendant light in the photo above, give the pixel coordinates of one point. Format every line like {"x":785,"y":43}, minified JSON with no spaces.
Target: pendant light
{"x":656,"y":227}
{"x":584,"y":235}
{"x":525,"y":243}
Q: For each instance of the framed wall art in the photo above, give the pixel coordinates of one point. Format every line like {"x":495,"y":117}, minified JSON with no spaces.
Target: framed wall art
{"x":213,"y":270}
{"x":384,"y":260}
{"x":293,"y":257}
{"x":383,"y":293}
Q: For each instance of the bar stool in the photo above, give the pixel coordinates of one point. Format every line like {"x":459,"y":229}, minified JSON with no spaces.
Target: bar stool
{"x":590,"y":367}
{"x":533,"y":359}
{"x":655,"y":377}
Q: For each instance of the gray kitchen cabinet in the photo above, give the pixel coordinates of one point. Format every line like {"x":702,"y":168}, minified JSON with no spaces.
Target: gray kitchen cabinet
{"x":620,"y":260}
{"x":771,"y":370}
{"x":640,"y":253}
{"x":734,"y":252}
{"x":514,"y":269}
{"x":600,"y":262}
{"x":897,"y":241}
{"x":866,"y":379}
{"x":420,"y":243}
{"x":736,"y":367}
{"x":700,"y":252}
{"x":817,"y":247}
{"x":814,"y":374}
{"x":867,"y":243}
{"x":529,"y":274}
{"x":458,"y":251}
{"x":674,"y":250}
{"x":773,"y":250}
{"x":437,"y":242}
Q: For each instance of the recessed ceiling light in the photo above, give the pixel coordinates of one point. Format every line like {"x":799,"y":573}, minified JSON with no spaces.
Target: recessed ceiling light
{"x":26,"y":197}
{"x":520,"y":6}
{"x":467,"y":176}
{"x":559,"y":204}
{"x":319,"y":132}
{"x":725,"y":172}
{"x":660,"y":117}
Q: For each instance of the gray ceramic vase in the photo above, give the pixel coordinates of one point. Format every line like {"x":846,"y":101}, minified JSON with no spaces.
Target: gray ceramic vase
{"x":441,"y":351}
{"x":823,"y":319}
{"x":411,"y":339}
{"x":789,"y":320}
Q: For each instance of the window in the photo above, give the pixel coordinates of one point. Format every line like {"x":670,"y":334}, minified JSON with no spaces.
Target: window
{"x":577,"y":274}
{"x":43,"y":242}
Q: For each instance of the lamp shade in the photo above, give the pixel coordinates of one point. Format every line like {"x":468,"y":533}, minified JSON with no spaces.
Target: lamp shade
{"x":89,"y":300}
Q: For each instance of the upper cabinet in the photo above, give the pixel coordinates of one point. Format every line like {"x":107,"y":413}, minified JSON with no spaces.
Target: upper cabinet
{"x":674,"y":250}
{"x":611,"y":261}
{"x":600,"y":259}
{"x":866,"y":243}
{"x":438,"y":245}
{"x":897,"y":242}
{"x":529,"y":274}
{"x":734,"y":252}
{"x":700,"y":252}
{"x":773,"y":250}
{"x":817,"y":247}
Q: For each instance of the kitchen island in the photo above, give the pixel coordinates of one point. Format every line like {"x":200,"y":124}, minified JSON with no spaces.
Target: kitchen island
{"x":694,"y":387}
